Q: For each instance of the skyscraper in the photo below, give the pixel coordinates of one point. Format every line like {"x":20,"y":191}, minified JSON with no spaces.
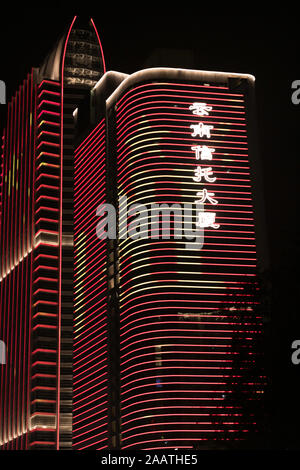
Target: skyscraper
{"x":161,"y":332}
{"x":36,"y":222}
{"x":131,"y":230}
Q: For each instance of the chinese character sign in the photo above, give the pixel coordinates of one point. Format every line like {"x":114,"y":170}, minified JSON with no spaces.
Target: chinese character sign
{"x":203,"y":173}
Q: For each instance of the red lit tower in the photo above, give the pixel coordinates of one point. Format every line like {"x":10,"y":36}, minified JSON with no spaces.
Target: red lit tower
{"x":173,"y":136}
{"x":36,"y":223}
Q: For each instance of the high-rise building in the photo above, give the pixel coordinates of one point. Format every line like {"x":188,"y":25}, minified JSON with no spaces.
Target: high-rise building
{"x":36,"y":223}
{"x":160,"y":316}
{"x":131,"y":232}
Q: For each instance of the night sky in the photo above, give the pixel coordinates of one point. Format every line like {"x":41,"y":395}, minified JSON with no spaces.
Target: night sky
{"x":266,"y":47}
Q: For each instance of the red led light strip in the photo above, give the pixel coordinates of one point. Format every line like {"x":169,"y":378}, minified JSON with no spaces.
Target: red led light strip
{"x":188,"y":290}
{"x":16,"y":266}
{"x":45,"y":280}
{"x":90,"y":392}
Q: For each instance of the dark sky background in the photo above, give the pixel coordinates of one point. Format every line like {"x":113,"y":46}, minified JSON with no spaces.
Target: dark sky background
{"x":267,"y":47}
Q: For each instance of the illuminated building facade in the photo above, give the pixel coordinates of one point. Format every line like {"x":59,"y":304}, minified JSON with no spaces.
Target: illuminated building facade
{"x":124,"y":342}
{"x":36,"y":223}
{"x":173,"y":137}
